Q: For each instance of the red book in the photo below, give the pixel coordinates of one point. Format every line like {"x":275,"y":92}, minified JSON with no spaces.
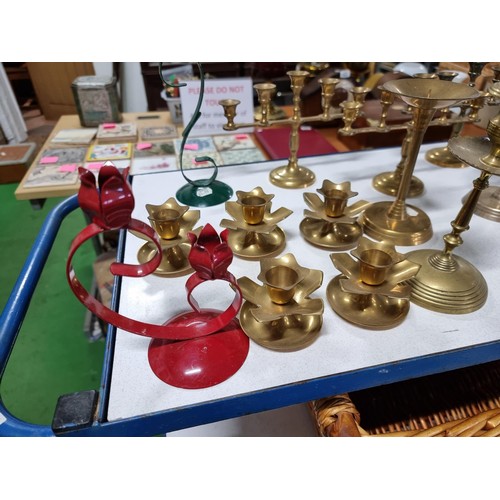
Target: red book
{"x":276,"y":142}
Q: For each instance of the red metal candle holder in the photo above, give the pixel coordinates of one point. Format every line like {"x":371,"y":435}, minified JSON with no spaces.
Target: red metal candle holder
{"x":196,"y":349}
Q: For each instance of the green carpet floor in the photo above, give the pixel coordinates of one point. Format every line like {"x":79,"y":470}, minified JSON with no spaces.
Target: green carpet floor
{"x":52,"y":355}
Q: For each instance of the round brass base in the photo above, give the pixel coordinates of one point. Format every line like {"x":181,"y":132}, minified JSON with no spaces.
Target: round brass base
{"x":374,"y":312}
{"x":413,"y":230}
{"x":289,"y":333}
{"x":254,"y":246}
{"x":283,"y":177}
{"x":388,"y":183}
{"x":442,"y":157}
{"x":488,"y":205}
{"x":461,"y":291}
{"x":331,"y":235}
{"x":174,"y":262}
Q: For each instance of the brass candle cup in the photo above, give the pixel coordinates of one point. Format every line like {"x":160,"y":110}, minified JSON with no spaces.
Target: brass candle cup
{"x":229,"y":106}
{"x":335,"y":202}
{"x":281,"y":282}
{"x":167,"y":223}
{"x":374,"y":266}
{"x":254,"y":208}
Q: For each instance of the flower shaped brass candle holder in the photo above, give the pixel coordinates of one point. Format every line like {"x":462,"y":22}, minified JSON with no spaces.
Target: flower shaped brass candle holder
{"x":370,"y":291}
{"x":446,"y":282}
{"x":253,"y":232}
{"x":172,"y":222}
{"x":331,"y":223}
{"x":195,"y":349}
{"x":279,"y":314}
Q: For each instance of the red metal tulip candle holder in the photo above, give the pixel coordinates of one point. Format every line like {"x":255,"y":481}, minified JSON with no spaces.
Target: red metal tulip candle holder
{"x":196,"y":349}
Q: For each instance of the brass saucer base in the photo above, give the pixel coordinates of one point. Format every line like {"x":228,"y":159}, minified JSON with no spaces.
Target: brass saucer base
{"x":457,"y":292}
{"x":442,"y":157}
{"x":413,"y":230}
{"x":488,"y":205}
{"x":174,"y":262}
{"x":381,"y":313}
{"x":331,"y":235}
{"x":388,"y":183}
{"x":253,"y":245}
{"x":284,"y":177}
{"x":290,"y":333}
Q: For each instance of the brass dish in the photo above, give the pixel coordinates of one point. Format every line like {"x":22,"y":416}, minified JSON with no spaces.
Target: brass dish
{"x":388,"y":183}
{"x":373,"y":312}
{"x":253,"y":246}
{"x":331,"y":236}
{"x":488,"y":205}
{"x":289,"y":333}
{"x":174,"y":262}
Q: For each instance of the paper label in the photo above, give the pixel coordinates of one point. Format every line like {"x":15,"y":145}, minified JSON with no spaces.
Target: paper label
{"x":49,"y":159}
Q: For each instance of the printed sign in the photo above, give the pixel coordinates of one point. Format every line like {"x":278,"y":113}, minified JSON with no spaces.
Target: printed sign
{"x":212,"y":117}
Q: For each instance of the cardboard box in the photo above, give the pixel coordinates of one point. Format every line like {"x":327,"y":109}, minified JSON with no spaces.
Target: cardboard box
{"x":14,"y":161}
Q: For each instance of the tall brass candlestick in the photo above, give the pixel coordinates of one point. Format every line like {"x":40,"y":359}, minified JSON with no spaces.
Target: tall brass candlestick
{"x":391,"y":221}
{"x":446,"y":282}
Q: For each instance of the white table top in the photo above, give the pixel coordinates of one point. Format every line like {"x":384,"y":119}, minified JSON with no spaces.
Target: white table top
{"x":340,"y":347}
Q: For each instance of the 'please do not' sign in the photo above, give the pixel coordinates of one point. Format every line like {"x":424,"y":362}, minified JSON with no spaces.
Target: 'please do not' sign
{"x":212,"y":117}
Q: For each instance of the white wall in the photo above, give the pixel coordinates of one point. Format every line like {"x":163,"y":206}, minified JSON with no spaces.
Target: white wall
{"x":132,"y":84}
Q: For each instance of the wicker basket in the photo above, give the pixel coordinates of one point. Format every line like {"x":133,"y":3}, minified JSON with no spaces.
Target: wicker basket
{"x":463,"y":402}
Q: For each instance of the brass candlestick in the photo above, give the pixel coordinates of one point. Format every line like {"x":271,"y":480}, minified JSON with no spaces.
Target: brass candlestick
{"x":171,"y":222}
{"x":446,"y":282}
{"x":292,"y":175}
{"x":388,"y":182}
{"x":371,"y":292}
{"x":330,"y":223}
{"x":279,"y":314}
{"x":253,"y":232}
{"x":442,"y":157}
{"x":392,"y":221}
{"x":488,"y":205}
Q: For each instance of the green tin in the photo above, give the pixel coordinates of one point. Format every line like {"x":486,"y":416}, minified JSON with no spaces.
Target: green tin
{"x":96,"y":99}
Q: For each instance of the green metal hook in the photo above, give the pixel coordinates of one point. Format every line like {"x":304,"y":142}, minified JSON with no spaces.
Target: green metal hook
{"x":190,"y":125}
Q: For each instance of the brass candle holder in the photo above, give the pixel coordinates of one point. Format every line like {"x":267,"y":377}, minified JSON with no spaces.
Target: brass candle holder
{"x":446,"y":282}
{"x":330,"y":223}
{"x":442,"y":156}
{"x":279,"y":314}
{"x":391,"y":220}
{"x":172,"y":222}
{"x":254,"y":231}
{"x":370,"y":291}
{"x":292,"y":175}
{"x":488,"y":205}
